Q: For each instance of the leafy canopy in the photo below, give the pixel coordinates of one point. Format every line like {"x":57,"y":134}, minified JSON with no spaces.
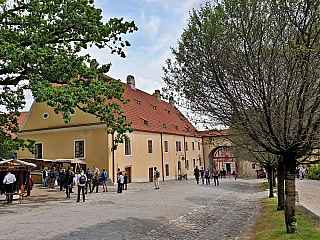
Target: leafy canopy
{"x":40,"y":44}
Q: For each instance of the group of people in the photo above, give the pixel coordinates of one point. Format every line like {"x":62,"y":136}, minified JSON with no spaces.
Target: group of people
{"x":122,"y":181}
{"x":68,"y":179}
{"x":214,"y":174}
{"x":301,"y":172}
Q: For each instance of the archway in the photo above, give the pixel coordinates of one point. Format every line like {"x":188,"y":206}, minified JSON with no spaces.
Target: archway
{"x":223,"y":158}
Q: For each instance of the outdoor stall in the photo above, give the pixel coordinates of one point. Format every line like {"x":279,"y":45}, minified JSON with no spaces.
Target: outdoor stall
{"x":76,"y":163}
{"x":22,"y":172}
{"x":36,"y":172}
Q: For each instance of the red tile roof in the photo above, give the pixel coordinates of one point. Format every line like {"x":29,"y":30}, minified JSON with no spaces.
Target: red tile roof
{"x":20,"y":120}
{"x":213,"y":133}
{"x":150,"y":114}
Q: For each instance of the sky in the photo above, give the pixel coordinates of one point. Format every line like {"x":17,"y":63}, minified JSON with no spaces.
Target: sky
{"x":160,"y":24}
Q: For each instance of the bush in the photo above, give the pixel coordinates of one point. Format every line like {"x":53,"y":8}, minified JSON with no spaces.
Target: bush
{"x":314,"y":172}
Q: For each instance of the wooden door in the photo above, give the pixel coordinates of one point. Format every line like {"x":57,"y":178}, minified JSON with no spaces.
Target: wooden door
{"x":128,"y":171}
{"x":151,"y":174}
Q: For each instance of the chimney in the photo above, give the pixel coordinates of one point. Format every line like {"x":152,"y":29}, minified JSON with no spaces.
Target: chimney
{"x":171,"y":101}
{"x":131,"y":82}
{"x":157,"y":94}
{"x":93,"y":62}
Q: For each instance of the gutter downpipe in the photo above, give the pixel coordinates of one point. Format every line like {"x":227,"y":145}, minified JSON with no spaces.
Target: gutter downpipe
{"x":185,"y":156}
{"x":162,"y":158}
{"x":112,"y":158}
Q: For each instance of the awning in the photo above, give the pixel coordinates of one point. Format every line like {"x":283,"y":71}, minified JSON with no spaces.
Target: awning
{"x":16,"y":162}
{"x":72,"y":160}
{"x":36,"y":159}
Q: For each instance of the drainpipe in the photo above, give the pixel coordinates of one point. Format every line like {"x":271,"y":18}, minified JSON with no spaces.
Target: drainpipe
{"x":162,"y":158}
{"x":113,"y":173}
{"x":204,"y":162}
{"x":185,"y":156}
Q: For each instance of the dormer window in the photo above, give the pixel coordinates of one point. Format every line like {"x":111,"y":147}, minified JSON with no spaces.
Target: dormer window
{"x":168,"y":111}
{"x":163,"y":125}
{"x":176,"y":127}
{"x":138,"y":102}
{"x":124,"y":118}
{"x":145,"y":122}
{"x":154,"y":107}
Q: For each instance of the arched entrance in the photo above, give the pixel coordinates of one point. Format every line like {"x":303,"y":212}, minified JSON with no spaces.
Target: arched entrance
{"x":223,"y":158}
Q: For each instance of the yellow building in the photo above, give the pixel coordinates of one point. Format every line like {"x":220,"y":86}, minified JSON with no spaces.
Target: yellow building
{"x":162,"y":138}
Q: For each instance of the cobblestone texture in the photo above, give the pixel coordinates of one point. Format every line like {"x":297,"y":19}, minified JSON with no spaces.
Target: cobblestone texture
{"x":309,"y":194}
{"x":178,"y":210}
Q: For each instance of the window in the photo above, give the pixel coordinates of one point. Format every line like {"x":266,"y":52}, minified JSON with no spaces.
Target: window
{"x":79,"y":148}
{"x":145,"y":122}
{"x":168,"y":111}
{"x":73,"y":112}
{"x":124,"y":118}
{"x":194,"y":163}
{"x":167,"y":170}
{"x":200,"y":160}
{"x":199,"y":146}
{"x":166,"y":146}
{"x":150,"y":150}
{"x":178,"y":146}
{"x":187,"y":164}
{"x":163,"y":125}
{"x":253,"y":166}
{"x":138,"y":102}
{"x":38,"y":154}
{"x":186,"y":146}
{"x":192,"y":146}
{"x":176,"y":127}
{"x":127,"y":147}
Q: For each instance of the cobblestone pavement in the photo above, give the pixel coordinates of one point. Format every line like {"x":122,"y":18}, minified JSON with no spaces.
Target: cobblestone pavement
{"x":178,"y":210}
{"x":309,"y":194}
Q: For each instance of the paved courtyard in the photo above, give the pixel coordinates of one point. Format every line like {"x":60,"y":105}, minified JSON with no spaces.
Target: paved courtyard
{"x":178,"y":210}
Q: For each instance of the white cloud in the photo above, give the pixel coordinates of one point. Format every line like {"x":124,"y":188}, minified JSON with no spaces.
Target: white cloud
{"x":150,"y":25}
{"x":149,"y":85}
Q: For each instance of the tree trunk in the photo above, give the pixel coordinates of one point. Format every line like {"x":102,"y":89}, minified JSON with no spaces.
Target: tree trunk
{"x":270,"y":180}
{"x":280,"y":185}
{"x":290,"y":188}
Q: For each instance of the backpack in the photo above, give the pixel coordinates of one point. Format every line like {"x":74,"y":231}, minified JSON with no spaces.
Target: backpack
{"x":157,"y":174}
{"x":105,"y":176}
{"x":52,"y":174}
{"x":82,"y":179}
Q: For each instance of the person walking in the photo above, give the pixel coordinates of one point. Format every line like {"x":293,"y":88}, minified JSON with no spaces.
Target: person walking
{"x":45,"y":177}
{"x":196,"y":173}
{"x":52,"y":177}
{"x":62,"y":177}
{"x":156,"y":176}
{"x":95,"y":170}
{"x":68,"y":183}
{"x":96,"y":180}
{"x":207,"y":176}
{"x":70,"y":171}
{"x":202,"y":174}
{"x":89,"y":180}
{"x":215,"y":174}
{"x":104,"y":179}
{"x":125,"y":181}
{"x":8,"y":182}
{"x":82,"y":179}
{"x":120,"y":182}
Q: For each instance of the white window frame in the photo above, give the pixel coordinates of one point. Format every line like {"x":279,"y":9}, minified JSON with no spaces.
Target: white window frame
{"x":164,"y":146}
{"x":177,"y":150}
{"x":41,"y":149}
{"x":186,"y":146}
{"x":193,"y":146}
{"x":124,"y":148}
{"x":151,"y":146}
{"x":84,"y":148}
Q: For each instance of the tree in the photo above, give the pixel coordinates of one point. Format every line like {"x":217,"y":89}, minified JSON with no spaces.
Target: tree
{"x":255,"y":64}
{"x":40,"y":45}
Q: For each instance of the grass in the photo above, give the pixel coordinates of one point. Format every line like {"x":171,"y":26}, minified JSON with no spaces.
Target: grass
{"x":267,"y":186}
{"x":272,"y":224}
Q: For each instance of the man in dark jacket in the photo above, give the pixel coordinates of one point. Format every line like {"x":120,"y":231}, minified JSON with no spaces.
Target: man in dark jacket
{"x":89,"y":180}
{"x":196,"y":174}
{"x":62,"y":178}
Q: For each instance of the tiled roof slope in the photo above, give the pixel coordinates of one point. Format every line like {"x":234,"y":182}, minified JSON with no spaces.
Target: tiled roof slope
{"x":20,"y":120}
{"x":213,"y":133}
{"x":156,"y":113}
